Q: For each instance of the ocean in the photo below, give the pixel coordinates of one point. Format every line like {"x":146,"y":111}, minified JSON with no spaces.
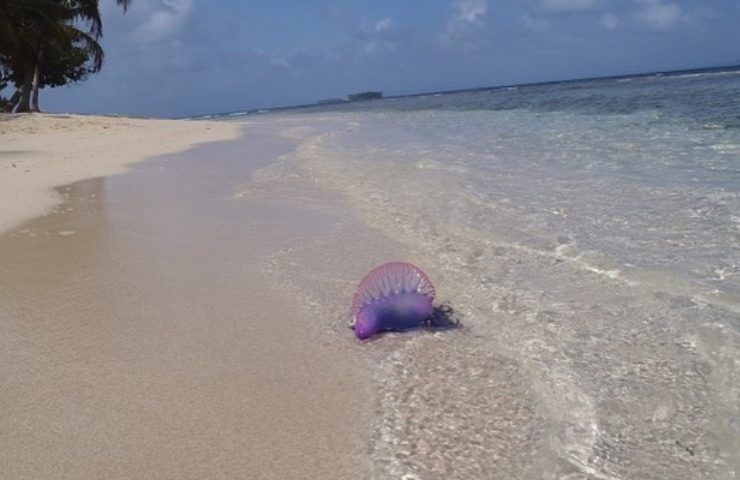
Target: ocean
{"x":587,"y":236}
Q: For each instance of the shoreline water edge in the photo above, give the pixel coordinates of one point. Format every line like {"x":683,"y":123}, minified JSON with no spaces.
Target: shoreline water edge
{"x":590,"y":255}
{"x":569,"y":364}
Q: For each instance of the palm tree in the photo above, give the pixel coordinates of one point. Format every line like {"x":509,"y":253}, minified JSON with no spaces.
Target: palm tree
{"x":33,"y":33}
{"x":23,"y":27}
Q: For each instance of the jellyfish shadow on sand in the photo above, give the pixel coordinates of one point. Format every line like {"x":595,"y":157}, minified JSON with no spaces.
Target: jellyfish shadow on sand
{"x":444,"y":317}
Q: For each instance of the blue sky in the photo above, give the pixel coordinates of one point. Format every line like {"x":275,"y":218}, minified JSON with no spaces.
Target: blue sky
{"x":184,"y":57}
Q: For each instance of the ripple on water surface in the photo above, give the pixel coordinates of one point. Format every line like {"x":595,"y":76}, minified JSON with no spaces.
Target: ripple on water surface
{"x":596,"y":274}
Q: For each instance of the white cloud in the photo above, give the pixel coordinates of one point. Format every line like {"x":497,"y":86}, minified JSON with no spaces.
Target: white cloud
{"x":165,"y":20}
{"x":381,"y":37}
{"x":659,"y":15}
{"x":532,"y":23}
{"x":465,"y":23}
{"x":384,"y":24}
{"x":471,"y":11}
{"x":373,"y":28}
{"x":567,"y":5}
{"x":610,"y":21}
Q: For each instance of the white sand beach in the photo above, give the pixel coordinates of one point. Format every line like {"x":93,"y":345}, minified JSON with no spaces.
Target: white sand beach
{"x":440,"y":240}
{"x":41,"y":151}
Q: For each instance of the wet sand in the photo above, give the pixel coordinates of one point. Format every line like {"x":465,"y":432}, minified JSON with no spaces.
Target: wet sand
{"x":142,"y":336}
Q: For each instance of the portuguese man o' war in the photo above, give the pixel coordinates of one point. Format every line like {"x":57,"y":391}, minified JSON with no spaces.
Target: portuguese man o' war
{"x":394,"y":296}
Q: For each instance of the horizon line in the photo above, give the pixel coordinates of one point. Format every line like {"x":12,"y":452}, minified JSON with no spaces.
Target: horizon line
{"x":490,"y":87}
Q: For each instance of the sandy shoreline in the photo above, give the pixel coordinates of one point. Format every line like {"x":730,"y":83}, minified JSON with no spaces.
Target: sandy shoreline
{"x":142,"y":332}
{"x":188,"y":320}
{"x":40,"y":151}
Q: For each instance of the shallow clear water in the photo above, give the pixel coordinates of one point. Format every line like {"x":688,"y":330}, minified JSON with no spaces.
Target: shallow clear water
{"x":708,"y":97}
{"x":588,"y":235}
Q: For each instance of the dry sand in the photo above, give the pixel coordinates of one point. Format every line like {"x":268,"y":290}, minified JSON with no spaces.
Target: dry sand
{"x":39,"y":152}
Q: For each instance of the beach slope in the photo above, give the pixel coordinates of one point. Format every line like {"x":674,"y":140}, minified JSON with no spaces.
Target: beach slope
{"x":39,"y":152}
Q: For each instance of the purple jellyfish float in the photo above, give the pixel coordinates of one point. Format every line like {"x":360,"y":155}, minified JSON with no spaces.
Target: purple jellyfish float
{"x":394,"y":296}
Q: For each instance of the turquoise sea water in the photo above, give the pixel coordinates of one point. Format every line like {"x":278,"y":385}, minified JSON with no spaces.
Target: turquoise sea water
{"x":588,"y":234}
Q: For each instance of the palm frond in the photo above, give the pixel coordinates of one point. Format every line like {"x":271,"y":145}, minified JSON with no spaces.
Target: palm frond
{"x":124,"y":3}
{"x":90,"y":45}
{"x":88,"y":12}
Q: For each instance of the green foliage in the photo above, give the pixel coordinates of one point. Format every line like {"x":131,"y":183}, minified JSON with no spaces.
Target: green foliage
{"x":63,"y":64}
{"x":53,"y":41}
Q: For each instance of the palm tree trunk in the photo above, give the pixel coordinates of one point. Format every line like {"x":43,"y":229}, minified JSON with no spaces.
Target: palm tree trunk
{"x":12,"y":102}
{"x":26,"y":88}
{"x":35,"y":89}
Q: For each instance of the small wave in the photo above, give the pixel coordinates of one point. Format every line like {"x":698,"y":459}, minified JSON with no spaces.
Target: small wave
{"x":725,"y":147}
{"x":503,"y":259}
{"x":693,"y":75}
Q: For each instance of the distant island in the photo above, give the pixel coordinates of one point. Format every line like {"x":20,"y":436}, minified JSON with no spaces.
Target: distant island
{"x":330,"y":101}
{"x":356,"y":97}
